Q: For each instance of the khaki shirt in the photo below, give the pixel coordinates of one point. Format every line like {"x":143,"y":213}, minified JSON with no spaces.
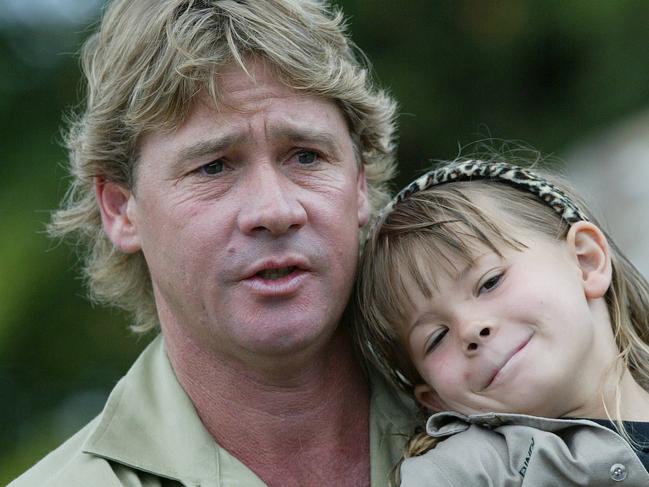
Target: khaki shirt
{"x":506,"y":450}
{"x":149,"y":433}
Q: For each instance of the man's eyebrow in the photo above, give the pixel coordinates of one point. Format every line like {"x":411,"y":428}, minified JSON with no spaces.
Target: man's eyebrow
{"x":305,"y":134}
{"x":218,"y":144}
{"x":205,"y":147}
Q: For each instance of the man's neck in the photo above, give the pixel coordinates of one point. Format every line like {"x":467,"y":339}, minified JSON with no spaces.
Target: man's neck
{"x":311,"y":428}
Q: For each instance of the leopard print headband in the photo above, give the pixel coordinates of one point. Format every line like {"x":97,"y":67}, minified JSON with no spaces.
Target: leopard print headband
{"x":504,"y":172}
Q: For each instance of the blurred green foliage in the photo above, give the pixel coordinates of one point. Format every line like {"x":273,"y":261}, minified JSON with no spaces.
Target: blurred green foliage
{"x":544,"y":72}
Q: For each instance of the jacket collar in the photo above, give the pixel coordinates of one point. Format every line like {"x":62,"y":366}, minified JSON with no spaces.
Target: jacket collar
{"x":448,"y":423}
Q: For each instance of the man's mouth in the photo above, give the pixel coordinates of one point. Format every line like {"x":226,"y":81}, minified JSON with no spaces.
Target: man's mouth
{"x":277,"y":279}
{"x":274,"y":274}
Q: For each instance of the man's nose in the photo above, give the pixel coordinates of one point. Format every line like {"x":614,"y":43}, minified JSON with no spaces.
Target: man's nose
{"x":271,"y":202}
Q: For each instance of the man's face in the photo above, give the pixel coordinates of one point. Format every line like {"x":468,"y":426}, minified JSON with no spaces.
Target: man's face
{"x":248,"y":217}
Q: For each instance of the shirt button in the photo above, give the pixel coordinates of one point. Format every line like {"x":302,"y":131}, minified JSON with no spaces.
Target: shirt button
{"x":618,"y":472}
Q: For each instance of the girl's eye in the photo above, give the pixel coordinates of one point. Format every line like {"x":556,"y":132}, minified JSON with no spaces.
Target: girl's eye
{"x":435,"y":339}
{"x":212,"y":168}
{"x":305,"y":157}
{"x":490,"y":283}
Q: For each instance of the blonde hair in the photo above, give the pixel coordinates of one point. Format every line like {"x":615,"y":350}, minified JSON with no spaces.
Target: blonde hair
{"x":412,"y":240}
{"x":144,"y":67}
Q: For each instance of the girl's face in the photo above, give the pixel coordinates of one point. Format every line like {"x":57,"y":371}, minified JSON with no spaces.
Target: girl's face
{"x":525,"y":332}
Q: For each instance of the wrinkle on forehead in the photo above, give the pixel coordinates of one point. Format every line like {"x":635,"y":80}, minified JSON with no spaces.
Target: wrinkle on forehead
{"x":256,"y":84}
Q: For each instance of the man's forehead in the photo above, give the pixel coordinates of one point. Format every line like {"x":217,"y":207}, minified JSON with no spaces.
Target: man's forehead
{"x":239,"y":84}
{"x":300,"y":117}
{"x":303,"y":119}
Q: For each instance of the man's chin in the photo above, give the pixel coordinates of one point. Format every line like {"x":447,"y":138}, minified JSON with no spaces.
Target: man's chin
{"x":287,"y":338}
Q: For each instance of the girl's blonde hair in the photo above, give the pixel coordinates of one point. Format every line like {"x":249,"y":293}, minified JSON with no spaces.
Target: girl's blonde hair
{"x":411,"y":241}
{"x":144,"y":68}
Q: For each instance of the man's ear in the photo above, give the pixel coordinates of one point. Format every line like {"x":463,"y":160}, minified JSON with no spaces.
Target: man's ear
{"x":427,"y":397}
{"x":590,"y":247}
{"x":363,"y":197}
{"x":117,"y":205}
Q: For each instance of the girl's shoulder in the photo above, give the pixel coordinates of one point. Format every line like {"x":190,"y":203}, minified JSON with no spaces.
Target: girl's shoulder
{"x":505,"y":450}
{"x":473,"y":456}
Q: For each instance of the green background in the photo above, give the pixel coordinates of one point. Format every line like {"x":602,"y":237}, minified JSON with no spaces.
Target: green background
{"x":548,"y":73}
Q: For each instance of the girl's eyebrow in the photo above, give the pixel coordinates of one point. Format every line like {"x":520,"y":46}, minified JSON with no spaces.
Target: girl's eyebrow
{"x":459,"y":276}
{"x":420,"y":321}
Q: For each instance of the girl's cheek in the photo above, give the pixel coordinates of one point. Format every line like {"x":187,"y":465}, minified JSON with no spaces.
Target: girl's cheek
{"x":442,"y":369}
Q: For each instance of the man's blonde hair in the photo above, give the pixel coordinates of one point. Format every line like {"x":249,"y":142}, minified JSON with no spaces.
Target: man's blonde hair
{"x":144,"y":68}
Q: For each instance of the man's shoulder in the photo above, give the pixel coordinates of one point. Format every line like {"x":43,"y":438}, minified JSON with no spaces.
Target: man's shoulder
{"x":69,"y":466}
{"x":75,"y":463}
{"x":147,"y":431}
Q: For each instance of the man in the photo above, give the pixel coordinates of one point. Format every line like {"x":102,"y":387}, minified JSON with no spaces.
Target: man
{"x":228,"y":156}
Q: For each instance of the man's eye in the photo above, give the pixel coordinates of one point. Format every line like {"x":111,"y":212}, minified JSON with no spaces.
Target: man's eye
{"x":212,"y":168}
{"x":306,"y":157}
{"x":490,"y":283}
{"x":435,"y":339}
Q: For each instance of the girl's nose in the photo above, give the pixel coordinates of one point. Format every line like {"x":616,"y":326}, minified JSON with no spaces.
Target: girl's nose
{"x":475,"y":341}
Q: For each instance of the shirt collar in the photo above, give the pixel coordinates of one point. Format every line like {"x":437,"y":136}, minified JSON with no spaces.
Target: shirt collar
{"x":150,"y":424}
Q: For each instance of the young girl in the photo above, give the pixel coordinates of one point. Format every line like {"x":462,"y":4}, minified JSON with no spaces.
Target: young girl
{"x":491,"y":295}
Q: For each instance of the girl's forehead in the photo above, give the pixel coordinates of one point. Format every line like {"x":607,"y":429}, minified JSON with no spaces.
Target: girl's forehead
{"x":426,"y":259}
{"x":435,"y":258}
{"x":451,"y":261}
{"x":424,"y":267}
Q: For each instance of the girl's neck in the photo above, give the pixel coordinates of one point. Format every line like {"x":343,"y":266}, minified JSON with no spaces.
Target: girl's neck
{"x":620,"y":399}
{"x":633,"y":400}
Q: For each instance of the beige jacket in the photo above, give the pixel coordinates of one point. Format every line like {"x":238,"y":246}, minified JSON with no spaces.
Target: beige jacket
{"x":506,"y":450}
{"x":150,"y":435}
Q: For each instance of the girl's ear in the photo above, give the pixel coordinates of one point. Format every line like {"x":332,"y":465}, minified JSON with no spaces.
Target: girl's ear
{"x":427,"y":397}
{"x":591,"y":249}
